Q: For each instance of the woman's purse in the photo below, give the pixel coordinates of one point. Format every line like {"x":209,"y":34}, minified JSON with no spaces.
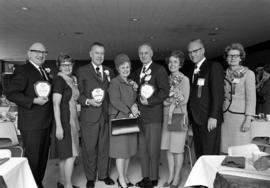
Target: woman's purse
{"x":178,"y":122}
{"x":120,"y":126}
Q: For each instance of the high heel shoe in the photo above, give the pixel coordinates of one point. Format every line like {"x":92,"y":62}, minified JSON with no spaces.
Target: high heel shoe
{"x":119,"y":184}
{"x":129,"y":184}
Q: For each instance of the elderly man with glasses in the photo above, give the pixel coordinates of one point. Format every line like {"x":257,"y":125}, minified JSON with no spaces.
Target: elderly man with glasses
{"x":205,"y":101}
{"x":34,"y":108}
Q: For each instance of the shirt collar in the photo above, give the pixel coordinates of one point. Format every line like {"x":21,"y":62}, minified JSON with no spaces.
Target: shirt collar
{"x":147,"y":65}
{"x":100,"y":67}
{"x":37,"y":67}
{"x":199,"y":64}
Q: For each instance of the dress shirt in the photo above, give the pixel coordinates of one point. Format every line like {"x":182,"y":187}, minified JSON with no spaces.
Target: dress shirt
{"x":100,"y":69}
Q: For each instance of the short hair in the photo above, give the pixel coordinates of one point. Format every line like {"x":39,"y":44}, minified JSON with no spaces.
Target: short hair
{"x":196,"y":40}
{"x":146,"y":44}
{"x":179,"y":55}
{"x":235,"y":46}
{"x":63,"y":57}
{"x":97,"y":44}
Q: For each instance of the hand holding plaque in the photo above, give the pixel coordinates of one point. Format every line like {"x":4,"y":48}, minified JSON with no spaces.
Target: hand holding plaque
{"x":98,"y":95}
{"x":147,"y":90}
{"x":42,"y":88}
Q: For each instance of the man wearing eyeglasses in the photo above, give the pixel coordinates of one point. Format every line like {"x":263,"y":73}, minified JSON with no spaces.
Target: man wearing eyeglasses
{"x":34,"y":109}
{"x":205,"y":101}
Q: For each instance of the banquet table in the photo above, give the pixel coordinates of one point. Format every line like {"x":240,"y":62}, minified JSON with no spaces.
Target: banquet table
{"x":205,"y":169}
{"x":17,"y":174}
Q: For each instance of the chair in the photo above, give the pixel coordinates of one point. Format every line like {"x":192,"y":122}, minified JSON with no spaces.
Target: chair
{"x":243,"y":150}
{"x":260,"y":133}
{"x":9,"y":139}
{"x":5,"y":153}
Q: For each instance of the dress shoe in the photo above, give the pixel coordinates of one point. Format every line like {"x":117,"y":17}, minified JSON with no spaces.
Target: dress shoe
{"x":143,"y":182}
{"x":129,"y":184}
{"x":90,"y":184}
{"x":107,"y":181}
{"x":148,"y":185}
{"x":154,"y":182}
{"x":60,"y":185}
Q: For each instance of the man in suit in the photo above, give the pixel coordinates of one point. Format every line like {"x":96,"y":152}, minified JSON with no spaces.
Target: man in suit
{"x":205,"y":101}
{"x":93,"y":80}
{"x":34,"y":111}
{"x":151,"y":108}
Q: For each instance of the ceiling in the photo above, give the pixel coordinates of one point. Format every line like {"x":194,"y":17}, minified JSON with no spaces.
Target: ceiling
{"x":72,"y":25}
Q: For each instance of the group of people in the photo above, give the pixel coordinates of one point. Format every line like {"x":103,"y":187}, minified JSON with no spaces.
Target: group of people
{"x":220,"y":105}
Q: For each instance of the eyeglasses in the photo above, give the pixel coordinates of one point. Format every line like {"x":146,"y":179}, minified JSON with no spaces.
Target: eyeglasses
{"x":233,"y":56}
{"x":194,"y":51}
{"x":66,"y":65}
{"x":40,"y":52}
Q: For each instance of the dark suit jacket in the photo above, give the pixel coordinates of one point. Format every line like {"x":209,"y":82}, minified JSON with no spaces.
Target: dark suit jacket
{"x":21,"y":91}
{"x":212,"y":95}
{"x":265,"y":93}
{"x":153,"y":113}
{"x":87,"y":82}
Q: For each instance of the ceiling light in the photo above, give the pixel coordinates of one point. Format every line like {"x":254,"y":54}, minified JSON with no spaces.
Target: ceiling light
{"x":216,"y":29}
{"x":62,"y":34}
{"x":134,"y":19}
{"x":213,"y":40}
{"x":25,"y":8}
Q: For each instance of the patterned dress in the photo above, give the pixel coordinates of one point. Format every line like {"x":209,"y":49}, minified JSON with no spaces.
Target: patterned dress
{"x":179,"y":94}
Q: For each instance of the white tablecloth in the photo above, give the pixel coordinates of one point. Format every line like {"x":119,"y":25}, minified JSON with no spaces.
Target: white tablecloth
{"x":17,"y":174}
{"x":205,"y":169}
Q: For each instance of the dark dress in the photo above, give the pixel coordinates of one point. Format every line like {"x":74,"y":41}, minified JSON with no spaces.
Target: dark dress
{"x":122,"y":97}
{"x":69,"y":145}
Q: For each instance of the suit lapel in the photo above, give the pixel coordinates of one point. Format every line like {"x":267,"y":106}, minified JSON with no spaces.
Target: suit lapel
{"x":93,"y":72}
{"x":35,"y":71}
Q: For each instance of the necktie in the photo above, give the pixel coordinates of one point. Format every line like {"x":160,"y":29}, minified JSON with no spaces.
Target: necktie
{"x":98,"y":73}
{"x":42,"y":73}
{"x":144,"y":69}
{"x":142,"y":75}
{"x":194,"y":73}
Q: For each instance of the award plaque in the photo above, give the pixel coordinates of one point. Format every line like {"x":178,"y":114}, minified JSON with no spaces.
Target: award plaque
{"x":147,"y":90}
{"x":98,"y":94}
{"x":42,"y":88}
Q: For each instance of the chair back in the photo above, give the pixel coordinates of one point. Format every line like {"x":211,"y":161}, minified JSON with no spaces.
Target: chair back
{"x":8,"y":130}
{"x":243,"y":150}
{"x":5,"y":153}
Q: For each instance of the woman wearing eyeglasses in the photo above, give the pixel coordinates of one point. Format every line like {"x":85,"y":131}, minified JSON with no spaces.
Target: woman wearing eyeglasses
{"x":65,"y":140}
{"x":239,"y":100}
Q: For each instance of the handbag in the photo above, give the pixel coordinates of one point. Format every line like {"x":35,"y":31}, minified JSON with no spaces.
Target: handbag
{"x":120,"y":126}
{"x":178,"y":122}
{"x":123,"y":126}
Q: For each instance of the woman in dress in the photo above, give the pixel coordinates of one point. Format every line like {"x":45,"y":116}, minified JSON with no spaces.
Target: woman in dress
{"x":239,"y":100}
{"x":65,"y":140}
{"x":263,"y":88}
{"x":174,"y":141}
{"x":122,"y":93}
